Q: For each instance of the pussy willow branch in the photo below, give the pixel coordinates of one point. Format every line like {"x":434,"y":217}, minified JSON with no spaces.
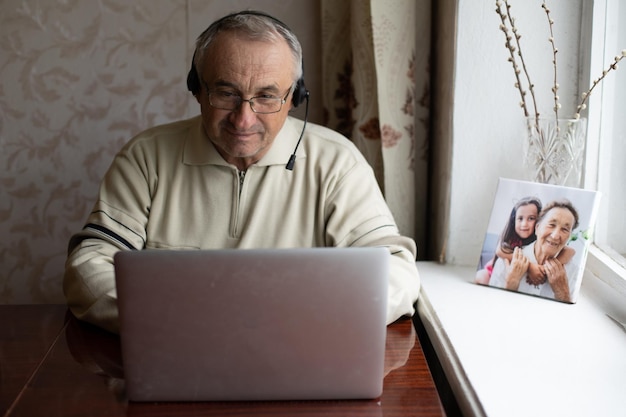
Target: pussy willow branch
{"x":509,"y":20}
{"x":531,"y":86}
{"x":515,"y":52}
{"x":555,"y":87}
{"x":511,"y":48}
{"x":586,"y":94}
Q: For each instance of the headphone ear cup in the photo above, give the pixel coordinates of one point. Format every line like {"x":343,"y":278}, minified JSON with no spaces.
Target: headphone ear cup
{"x":299,"y":93}
{"x":193,"y":81}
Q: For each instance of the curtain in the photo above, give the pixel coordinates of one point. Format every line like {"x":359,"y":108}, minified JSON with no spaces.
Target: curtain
{"x":376,"y":91}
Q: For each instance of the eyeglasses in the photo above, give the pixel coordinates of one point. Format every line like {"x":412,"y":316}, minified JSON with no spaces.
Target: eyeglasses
{"x":266,"y":104}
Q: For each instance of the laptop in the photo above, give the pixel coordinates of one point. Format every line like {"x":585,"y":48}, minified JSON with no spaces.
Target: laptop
{"x":253,"y":324}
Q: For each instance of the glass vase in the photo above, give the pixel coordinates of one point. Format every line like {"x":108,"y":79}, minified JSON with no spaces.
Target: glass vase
{"x":554,"y":150}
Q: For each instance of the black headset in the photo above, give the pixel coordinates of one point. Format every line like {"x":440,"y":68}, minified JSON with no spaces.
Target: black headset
{"x":300,"y":93}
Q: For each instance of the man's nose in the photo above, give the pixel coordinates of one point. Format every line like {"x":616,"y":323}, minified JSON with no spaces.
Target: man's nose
{"x":243,"y":116}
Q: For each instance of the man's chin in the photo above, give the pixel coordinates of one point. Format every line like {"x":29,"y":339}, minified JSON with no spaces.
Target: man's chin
{"x":245,"y":154}
{"x":237,"y":155}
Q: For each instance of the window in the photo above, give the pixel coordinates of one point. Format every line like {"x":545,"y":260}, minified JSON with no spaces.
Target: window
{"x":606,"y":149}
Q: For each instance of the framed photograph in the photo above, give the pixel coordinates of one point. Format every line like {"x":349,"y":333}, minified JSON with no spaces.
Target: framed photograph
{"x":537,"y":239}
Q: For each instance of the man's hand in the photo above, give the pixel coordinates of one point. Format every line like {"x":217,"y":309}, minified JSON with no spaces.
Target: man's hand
{"x":515,"y":269}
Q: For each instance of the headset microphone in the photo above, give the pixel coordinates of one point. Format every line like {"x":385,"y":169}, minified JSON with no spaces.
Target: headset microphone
{"x":292,"y":158}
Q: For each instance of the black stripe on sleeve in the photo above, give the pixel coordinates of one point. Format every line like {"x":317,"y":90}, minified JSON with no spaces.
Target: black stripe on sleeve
{"x":101,"y":230}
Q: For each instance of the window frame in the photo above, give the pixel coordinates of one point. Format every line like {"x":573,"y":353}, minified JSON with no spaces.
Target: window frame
{"x":597,"y":48}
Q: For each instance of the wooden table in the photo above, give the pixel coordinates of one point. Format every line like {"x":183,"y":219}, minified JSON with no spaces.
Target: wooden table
{"x":51,"y":364}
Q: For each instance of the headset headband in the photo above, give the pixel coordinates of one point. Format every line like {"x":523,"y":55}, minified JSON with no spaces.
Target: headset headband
{"x":193,"y":80}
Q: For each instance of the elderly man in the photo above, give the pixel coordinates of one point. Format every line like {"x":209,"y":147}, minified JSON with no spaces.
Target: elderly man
{"x":219,"y":180}
{"x":554,"y":227}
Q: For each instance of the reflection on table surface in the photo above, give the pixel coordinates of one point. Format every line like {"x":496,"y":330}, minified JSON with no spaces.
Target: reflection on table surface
{"x":82,"y":374}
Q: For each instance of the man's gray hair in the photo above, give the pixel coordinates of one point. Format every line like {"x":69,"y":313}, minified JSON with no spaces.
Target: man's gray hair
{"x":256,"y":26}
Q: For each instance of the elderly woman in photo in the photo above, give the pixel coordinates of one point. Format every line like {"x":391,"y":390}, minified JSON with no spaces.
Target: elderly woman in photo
{"x":554,"y":227}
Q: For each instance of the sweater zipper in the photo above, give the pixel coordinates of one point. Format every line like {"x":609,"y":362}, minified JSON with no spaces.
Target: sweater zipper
{"x":242,"y":175}
{"x":235,"y":219}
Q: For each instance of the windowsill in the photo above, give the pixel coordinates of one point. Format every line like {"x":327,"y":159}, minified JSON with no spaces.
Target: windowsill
{"x":509,"y":354}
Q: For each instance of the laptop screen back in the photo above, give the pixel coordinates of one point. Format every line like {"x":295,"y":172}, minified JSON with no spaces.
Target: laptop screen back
{"x":266,"y":324}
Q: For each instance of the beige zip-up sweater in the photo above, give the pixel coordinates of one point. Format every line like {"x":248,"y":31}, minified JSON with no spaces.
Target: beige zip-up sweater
{"x":169,"y":188}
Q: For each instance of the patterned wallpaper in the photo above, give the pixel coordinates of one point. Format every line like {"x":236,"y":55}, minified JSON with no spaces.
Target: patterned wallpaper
{"x":78,"y":78}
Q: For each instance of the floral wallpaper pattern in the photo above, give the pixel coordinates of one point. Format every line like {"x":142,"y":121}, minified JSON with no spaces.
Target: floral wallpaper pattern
{"x":78,"y":78}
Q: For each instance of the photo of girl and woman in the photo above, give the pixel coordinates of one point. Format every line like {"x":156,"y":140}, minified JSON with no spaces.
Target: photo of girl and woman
{"x":537,"y":239}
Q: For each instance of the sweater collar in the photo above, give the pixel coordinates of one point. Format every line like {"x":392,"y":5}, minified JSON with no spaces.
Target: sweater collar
{"x":199,"y":150}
